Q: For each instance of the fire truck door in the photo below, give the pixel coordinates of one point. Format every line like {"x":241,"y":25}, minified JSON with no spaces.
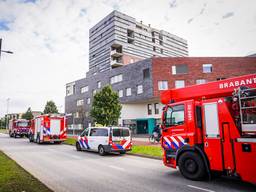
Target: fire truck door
{"x":212,"y":140}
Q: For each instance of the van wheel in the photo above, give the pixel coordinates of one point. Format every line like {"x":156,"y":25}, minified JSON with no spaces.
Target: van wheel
{"x":78,"y":147}
{"x":101,"y":150}
{"x":122,"y":152}
{"x":191,"y":166}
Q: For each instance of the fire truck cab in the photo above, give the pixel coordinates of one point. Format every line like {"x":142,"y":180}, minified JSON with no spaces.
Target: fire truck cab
{"x":48,"y":128}
{"x":211,"y":128}
{"x":19,"y":127}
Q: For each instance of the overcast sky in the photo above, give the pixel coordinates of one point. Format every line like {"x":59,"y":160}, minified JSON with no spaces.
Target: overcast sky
{"x":50,"y":39}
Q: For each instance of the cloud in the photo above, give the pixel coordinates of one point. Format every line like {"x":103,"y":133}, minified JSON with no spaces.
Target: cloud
{"x":173,"y":3}
{"x":50,"y":39}
{"x":227,"y":15}
{"x":190,"y":20}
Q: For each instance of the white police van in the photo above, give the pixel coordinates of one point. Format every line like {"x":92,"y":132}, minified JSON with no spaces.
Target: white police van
{"x":105,"y":140}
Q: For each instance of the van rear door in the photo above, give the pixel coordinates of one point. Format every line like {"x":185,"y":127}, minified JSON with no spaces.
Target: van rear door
{"x":121,"y":137}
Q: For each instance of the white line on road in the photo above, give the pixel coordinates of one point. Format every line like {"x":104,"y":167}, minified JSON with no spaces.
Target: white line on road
{"x":195,"y":187}
{"x":115,"y":167}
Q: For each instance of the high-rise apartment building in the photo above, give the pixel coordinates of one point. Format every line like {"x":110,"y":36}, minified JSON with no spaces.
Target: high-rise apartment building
{"x":119,"y":39}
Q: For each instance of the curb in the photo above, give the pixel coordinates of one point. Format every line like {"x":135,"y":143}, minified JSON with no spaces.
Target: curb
{"x":145,"y":156}
{"x":132,"y":154}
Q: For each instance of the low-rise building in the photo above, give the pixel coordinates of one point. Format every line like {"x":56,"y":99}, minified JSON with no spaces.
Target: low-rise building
{"x":139,"y":86}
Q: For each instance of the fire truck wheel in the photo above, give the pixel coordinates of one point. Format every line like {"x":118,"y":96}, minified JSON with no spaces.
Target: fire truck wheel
{"x":101,"y":150}
{"x":15,"y":135}
{"x":192,"y":166}
{"x":78,"y":147}
{"x":10,"y":134}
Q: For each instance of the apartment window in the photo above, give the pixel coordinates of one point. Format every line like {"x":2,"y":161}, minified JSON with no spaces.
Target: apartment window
{"x":70,"y":89}
{"x":139,"y":89}
{"x":153,"y":40}
{"x":162,"y":51}
{"x":128,"y":91}
{"x":84,"y":89}
{"x":99,"y":84}
{"x":179,"y":83}
{"x":162,"y":85}
{"x":220,"y":78}
{"x":120,"y":93}
{"x":79,"y":102}
{"x":200,"y":81}
{"x":179,"y":69}
{"x":88,"y":101}
{"x":154,"y":48}
{"x":130,"y":41}
{"x":156,"y":106}
{"x":146,"y":73}
{"x":207,"y":68}
{"x":116,"y":79}
{"x":149,"y":109}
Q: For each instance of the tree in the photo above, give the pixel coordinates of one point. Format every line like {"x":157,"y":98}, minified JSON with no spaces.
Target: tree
{"x":106,"y":108}
{"x":50,"y":107}
{"x":28,"y":115}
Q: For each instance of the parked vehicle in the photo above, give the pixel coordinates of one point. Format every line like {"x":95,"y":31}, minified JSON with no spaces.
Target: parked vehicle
{"x":211,"y":128}
{"x":105,"y":140}
{"x":48,"y":129}
{"x":19,"y":127}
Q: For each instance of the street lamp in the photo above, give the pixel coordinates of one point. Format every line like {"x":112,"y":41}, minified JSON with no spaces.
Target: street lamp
{"x":7,"y":111}
{"x":9,"y":52}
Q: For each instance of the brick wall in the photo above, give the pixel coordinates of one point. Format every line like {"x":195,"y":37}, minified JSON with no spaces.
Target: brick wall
{"x":223,"y":67}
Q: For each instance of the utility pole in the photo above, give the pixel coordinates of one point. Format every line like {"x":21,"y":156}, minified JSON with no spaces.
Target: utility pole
{"x":7,"y":111}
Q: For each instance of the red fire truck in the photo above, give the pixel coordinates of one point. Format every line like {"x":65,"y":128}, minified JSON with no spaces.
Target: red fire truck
{"x":19,"y":127}
{"x":211,"y":128}
{"x":48,"y":128}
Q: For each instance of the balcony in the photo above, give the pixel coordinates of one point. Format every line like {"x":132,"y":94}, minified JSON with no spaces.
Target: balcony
{"x":116,"y":63}
{"x":116,"y":53}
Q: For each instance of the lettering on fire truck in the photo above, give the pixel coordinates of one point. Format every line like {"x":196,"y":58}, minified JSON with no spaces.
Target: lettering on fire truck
{"x":242,"y":82}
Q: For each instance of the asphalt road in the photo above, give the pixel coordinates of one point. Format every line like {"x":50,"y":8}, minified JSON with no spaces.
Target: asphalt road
{"x":62,"y":168}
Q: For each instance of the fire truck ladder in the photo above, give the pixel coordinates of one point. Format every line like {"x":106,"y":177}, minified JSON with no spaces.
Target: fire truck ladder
{"x":247,"y":103}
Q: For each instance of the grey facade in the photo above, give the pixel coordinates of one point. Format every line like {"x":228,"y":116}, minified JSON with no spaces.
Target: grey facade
{"x":132,"y":76}
{"x":119,"y":39}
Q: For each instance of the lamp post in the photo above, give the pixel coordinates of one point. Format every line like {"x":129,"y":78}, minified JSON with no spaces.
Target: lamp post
{"x":2,"y":51}
{"x":7,"y":111}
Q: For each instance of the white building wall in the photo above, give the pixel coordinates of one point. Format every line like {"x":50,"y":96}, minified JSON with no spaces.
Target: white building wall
{"x":139,"y":111}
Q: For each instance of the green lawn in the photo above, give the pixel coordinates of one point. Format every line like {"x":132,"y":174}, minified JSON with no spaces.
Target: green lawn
{"x":13,"y":178}
{"x":3,"y":131}
{"x":70,"y":141}
{"x":154,"y":151}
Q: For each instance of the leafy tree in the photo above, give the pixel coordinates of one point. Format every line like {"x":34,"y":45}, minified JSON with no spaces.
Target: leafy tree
{"x":2,"y":122}
{"x":28,"y":115}
{"x":50,"y":107}
{"x":106,"y":108}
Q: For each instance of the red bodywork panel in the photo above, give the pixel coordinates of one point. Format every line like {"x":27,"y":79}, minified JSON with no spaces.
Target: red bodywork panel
{"x":209,"y":90}
{"x":228,"y":151}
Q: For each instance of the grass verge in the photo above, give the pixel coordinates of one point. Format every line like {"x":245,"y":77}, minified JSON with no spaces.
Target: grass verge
{"x":70,"y":141}
{"x":151,"y":151}
{"x":3,"y":130}
{"x":14,"y":178}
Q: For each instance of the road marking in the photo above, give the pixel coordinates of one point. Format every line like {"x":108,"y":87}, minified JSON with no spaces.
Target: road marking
{"x":195,"y":187}
{"x":115,"y":167}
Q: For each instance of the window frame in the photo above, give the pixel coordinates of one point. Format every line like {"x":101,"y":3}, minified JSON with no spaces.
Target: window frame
{"x":171,"y":123}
